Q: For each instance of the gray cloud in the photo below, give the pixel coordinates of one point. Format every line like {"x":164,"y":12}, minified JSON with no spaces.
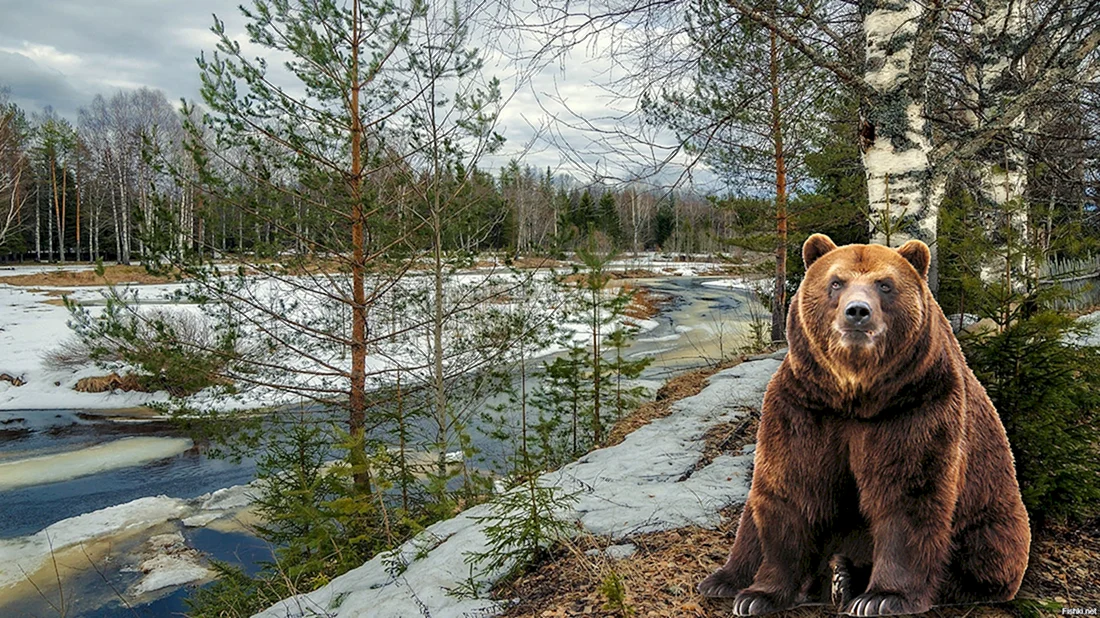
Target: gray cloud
{"x":63,"y":52}
{"x":34,"y":87}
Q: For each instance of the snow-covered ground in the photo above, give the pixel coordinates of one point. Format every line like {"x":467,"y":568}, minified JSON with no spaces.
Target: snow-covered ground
{"x":665,"y":265}
{"x":737,"y":283}
{"x":627,"y":489}
{"x":170,"y":563}
{"x":1094,"y":320}
{"x":30,"y":328}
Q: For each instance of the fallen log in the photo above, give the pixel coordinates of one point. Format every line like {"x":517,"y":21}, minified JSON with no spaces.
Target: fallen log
{"x":14,"y":381}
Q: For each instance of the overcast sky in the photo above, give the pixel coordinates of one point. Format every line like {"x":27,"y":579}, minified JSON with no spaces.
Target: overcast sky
{"x":61,"y":53}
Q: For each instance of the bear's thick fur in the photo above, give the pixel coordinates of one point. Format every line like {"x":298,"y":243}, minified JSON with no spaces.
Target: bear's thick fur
{"x":880,"y":461}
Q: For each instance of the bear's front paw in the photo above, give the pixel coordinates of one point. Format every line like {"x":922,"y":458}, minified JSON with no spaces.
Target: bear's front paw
{"x":884,"y":604}
{"x":720,"y":585}
{"x":756,"y":604}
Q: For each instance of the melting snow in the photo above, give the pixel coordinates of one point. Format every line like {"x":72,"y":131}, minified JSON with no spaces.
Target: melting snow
{"x":735,"y":284}
{"x":27,"y":554}
{"x":91,"y":460}
{"x":171,"y":563}
{"x":626,"y":489}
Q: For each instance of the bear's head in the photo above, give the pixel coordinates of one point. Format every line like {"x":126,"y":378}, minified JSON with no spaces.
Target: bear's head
{"x":862,"y":305}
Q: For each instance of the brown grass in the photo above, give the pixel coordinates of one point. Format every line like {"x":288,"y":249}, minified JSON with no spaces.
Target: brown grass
{"x":661,"y":576}
{"x":645,"y":302}
{"x":112,"y":275}
{"x":526,"y":261}
{"x":13,"y":380}
{"x":109,"y":383}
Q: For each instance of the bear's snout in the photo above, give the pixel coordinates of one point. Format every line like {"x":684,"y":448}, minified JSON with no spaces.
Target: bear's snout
{"x":857,"y":313}
{"x":858,"y":319}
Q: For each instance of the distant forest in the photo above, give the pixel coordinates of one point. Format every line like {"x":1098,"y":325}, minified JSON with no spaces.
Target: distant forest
{"x":104,"y":188}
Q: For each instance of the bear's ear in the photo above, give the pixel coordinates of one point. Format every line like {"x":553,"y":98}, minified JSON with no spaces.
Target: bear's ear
{"x":917,"y":253}
{"x":816,"y":246}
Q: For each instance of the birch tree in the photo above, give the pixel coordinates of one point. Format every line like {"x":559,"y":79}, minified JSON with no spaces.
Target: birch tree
{"x":907,"y":155}
{"x":893,"y":55}
{"x":14,"y":167}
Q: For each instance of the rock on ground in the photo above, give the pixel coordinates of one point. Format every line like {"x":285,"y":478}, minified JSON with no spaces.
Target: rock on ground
{"x":647,"y":483}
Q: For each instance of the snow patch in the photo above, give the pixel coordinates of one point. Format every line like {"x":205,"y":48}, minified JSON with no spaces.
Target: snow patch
{"x":614,"y":552}
{"x":91,"y":460}
{"x":28,"y":554}
{"x":238,"y":496}
{"x":171,"y":563}
{"x":732,"y":284}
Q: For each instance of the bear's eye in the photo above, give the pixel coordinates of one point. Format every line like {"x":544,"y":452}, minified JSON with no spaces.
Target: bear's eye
{"x":835,"y":285}
{"x":885,"y":288}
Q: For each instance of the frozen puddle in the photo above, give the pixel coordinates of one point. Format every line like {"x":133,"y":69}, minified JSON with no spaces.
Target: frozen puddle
{"x":91,"y":460}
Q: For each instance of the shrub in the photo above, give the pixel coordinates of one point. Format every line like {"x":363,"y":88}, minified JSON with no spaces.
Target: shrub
{"x":177,"y":351}
{"x":1047,"y":390}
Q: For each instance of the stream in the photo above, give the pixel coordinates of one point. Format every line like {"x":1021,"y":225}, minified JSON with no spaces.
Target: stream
{"x":73,"y":462}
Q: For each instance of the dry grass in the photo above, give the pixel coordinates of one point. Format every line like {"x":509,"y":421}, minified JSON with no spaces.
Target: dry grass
{"x":659,"y":580}
{"x":1065,"y":565}
{"x":112,"y":275}
{"x":645,"y":303}
{"x":634,"y":273}
{"x":109,"y":383}
{"x":13,"y":380}
{"x":661,"y":576}
{"x":532,"y":261}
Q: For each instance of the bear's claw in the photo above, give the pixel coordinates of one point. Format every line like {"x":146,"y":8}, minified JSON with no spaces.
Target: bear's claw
{"x":755,"y":604}
{"x":882,"y":604}
{"x":841,"y":582}
{"x":718,"y":586}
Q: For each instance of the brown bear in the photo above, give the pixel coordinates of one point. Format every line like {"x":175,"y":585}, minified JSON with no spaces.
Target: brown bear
{"x":881,"y":464}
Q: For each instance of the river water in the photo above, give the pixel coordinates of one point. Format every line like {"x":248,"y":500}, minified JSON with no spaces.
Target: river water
{"x":115,"y":460}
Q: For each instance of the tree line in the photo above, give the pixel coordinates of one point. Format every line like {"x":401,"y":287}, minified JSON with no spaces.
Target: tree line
{"x":105,"y":186}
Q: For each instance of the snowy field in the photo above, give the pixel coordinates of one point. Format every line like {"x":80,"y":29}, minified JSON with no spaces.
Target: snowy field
{"x":29,"y":328}
{"x":32,"y":323}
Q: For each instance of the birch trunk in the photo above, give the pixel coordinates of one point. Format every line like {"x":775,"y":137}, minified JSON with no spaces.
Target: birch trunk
{"x":904,"y":193}
{"x":116,"y":218}
{"x":37,"y":225}
{"x":61,"y":217}
{"x":1001,"y":168}
{"x":78,"y":188}
{"x":123,"y":217}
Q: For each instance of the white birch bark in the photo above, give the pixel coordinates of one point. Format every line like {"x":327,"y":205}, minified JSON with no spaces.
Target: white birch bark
{"x":904,"y":193}
{"x":1001,"y":172}
{"x":16,"y":199}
